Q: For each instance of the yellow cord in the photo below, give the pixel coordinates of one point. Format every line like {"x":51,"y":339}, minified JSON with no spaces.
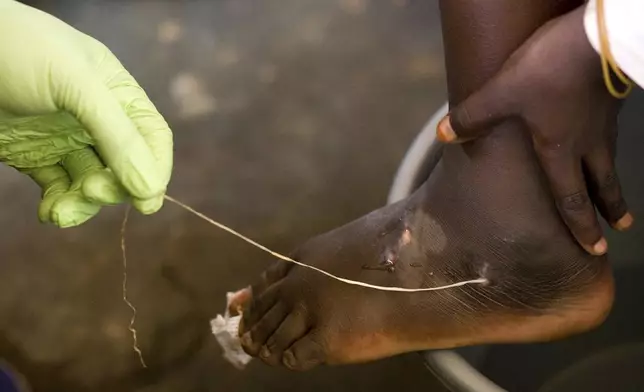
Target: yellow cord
{"x":607,"y":58}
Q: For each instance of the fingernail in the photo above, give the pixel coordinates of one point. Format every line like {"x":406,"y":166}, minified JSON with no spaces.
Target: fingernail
{"x":265,"y":353}
{"x":444,"y":131}
{"x":600,"y":247}
{"x":625,"y":222}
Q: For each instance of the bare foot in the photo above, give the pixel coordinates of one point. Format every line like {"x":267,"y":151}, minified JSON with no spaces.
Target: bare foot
{"x":483,"y":213}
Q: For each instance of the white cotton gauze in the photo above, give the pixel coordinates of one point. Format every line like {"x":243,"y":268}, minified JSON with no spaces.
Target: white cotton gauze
{"x":225,"y":328}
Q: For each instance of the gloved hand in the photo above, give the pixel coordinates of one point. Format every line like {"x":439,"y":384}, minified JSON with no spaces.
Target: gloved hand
{"x":75,"y":120}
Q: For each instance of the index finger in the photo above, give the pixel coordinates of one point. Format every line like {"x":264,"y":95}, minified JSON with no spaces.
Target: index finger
{"x":154,"y":130}
{"x":148,"y":121}
{"x":565,"y":174}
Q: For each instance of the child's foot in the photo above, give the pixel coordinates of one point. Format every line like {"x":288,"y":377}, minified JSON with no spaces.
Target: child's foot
{"x":481,"y":214}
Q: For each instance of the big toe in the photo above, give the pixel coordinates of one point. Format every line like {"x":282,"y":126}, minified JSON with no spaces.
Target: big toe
{"x":238,"y":300}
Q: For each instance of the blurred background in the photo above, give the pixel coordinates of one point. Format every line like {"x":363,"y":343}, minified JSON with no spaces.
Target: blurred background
{"x":290,"y":118}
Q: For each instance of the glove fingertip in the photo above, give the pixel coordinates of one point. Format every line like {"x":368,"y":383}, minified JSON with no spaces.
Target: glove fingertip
{"x":139,"y":177}
{"x":102,"y":188}
{"x":148,"y":206}
{"x":72,"y":210}
{"x":45,"y":206}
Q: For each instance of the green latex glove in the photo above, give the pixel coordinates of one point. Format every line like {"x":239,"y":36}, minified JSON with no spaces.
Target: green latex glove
{"x":75,"y":120}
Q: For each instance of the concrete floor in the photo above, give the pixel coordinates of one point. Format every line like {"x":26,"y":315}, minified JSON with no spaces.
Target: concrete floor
{"x":290,"y":118}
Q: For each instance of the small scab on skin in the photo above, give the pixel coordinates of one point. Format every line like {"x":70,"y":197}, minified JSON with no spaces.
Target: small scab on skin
{"x":387,"y":263}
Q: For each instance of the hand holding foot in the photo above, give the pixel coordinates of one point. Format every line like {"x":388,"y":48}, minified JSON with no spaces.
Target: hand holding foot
{"x":554,"y":84}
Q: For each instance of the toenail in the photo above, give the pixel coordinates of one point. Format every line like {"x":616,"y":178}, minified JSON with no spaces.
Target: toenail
{"x":289,"y":360}
{"x":265,"y":353}
{"x":246,"y":340}
{"x":625,"y":222}
{"x":600,"y":247}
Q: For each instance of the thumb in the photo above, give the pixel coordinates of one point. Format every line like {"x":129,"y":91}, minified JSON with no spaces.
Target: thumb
{"x":117,"y":139}
{"x":475,"y":116}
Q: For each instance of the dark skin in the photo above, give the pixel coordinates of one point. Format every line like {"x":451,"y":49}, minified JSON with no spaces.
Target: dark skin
{"x":485,"y":211}
{"x":553,"y":84}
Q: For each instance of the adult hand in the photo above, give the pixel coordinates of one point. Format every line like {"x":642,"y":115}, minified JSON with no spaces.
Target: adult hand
{"x":554,"y":84}
{"x":75,"y":120}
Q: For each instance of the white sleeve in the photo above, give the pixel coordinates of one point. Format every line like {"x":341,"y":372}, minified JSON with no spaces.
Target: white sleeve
{"x":625,"y":27}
